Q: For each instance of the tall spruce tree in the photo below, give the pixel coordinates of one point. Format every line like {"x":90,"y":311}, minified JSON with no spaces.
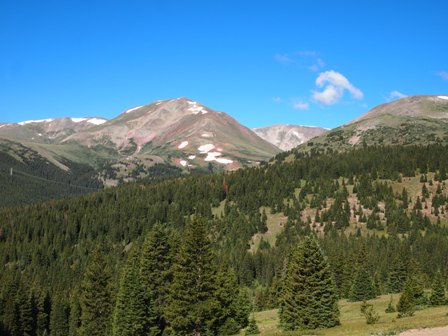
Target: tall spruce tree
{"x":156,"y":258}
{"x":131,"y":316}
{"x":411,"y":296}
{"x":43,"y":313}
{"x":363,"y":287}
{"x":309,"y":296}
{"x":234,"y":304}
{"x":438,"y":291}
{"x":59,"y":317}
{"x":193,"y":308}
{"x":96,"y":298}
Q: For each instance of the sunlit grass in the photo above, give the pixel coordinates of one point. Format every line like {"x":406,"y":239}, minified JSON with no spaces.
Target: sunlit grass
{"x":354,"y":324}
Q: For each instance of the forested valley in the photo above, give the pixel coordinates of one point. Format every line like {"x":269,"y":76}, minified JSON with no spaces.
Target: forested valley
{"x":197,"y":254}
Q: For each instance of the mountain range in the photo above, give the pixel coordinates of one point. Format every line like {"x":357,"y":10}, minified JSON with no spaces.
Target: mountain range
{"x":173,"y":136}
{"x":178,"y":136}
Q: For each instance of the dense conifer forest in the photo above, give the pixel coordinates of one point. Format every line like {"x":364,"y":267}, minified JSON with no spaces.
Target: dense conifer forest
{"x":194,"y":255}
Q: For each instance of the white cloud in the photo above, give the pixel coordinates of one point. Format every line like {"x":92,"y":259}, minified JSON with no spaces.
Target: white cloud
{"x":395,"y":95}
{"x":334,"y":84}
{"x":277,"y":99}
{"x":300,"y":105}
{"x":283,"y":58}
{"x":443,"y":74}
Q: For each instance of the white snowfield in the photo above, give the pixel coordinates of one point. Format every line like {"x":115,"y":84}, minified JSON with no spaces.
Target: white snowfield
{"x":96,"y":121}
{"x":132,"y":109}
{"x":206,"y":148}
{"x":183,"y":163}
{"x":224,"y":160}
{"x":183,"y":144}
{"x":192,"y":157}
{"x":443,"y":97}
{"x":34,"y":121}
{"x":211,"y":156}
{"x":78,"y":120}
{"x":206,"y":135}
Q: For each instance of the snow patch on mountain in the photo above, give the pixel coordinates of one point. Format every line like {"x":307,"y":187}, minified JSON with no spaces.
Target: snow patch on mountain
{"x":206,"y":148}
{"x":443,"y":97}
{"x":224,"y":160}
{"x":78,"y":120}
{"x":96,"y":121}
{"x":183,"y":163}
{"x":183,"y":145}
{"x":207,"y":135}
{"x":195,"y":108}
{"x":132,"y":109}
{"x":34,"y":121}
{"x":212,"y":156}
{"x":192,"y":157}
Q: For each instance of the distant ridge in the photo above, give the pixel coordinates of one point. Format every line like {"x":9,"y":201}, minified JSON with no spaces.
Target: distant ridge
{"x":414,"y":120}
{"x":287,"y":137}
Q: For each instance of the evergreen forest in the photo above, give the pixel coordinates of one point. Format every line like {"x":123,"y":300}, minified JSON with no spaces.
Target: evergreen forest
{"x":197,"y":254}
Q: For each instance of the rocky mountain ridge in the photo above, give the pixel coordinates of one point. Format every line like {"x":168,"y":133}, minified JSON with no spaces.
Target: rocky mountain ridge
{"x":414,"y":120}
{"x":287,"y":137}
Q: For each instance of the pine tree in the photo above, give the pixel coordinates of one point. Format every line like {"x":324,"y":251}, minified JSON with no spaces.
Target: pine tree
{"x":409,"y":298}
{"x":193,"y":308}
{"x":252,"y":328}
{"x":363,"y":287}
{"x":309,"y":298}
{"x":397,"y":276}
{"x":25,"y":309}
{"x":130,"y":316}
{"x":43,"y":314}
{"x":156,"y":258}
{"x":369,"y":313}
{"x":234,"y":304}
{"x":59,"y":317}
{"x":438,"y":291}
{"x":96,"y":298}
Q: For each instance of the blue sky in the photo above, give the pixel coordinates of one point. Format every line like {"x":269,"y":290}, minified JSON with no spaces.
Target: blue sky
{"x":264,"y":62}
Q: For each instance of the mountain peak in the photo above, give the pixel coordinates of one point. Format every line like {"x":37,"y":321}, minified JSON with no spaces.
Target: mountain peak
{"x":430,"y":106}
{"x":420,"y":119}
{"x":288,"y":136}
{"x":176,"y":131}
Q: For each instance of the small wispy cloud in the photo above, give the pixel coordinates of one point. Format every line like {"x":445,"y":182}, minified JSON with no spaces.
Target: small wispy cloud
{"x":443,"y":75}
{"x":307,"y":59}
{"x":334,"y":85}
{"x":300,"y":105}
{"x":277,"y":99}
{"x":395,"y":95}
{"x":319,"y":64}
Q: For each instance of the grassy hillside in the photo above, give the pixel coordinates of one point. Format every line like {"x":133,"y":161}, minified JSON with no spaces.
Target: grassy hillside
{"x":353,"y":323}
{"x":36,"y":178}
